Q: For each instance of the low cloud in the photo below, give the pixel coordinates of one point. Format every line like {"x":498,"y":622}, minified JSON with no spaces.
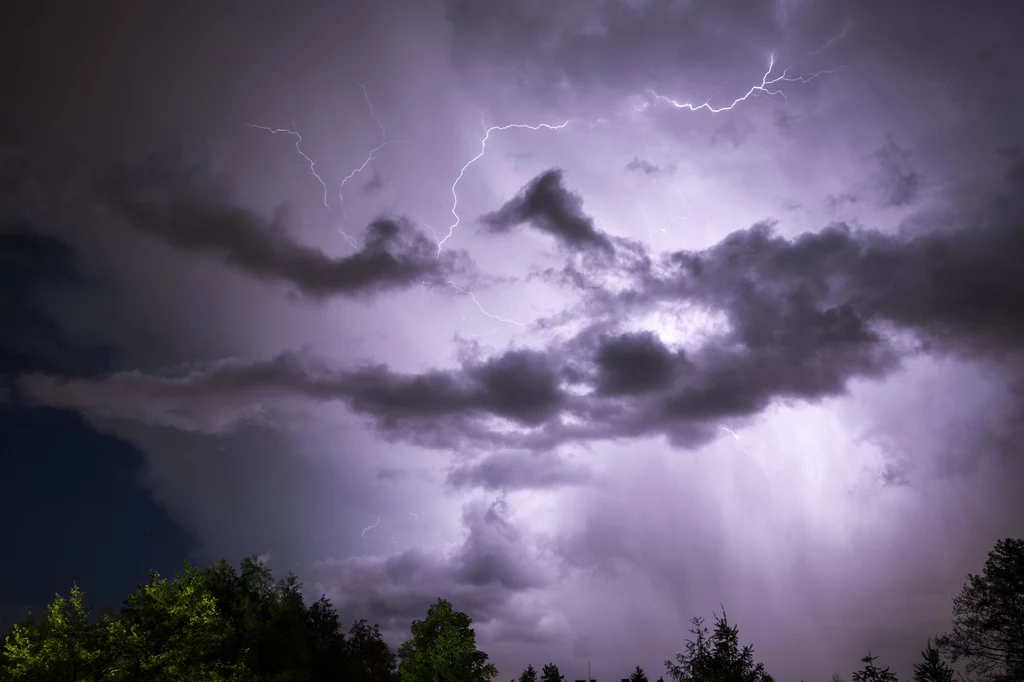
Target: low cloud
{"x":645,"y":167}
{"x":495,"y":562}
{"x":185,"y":208}
{"x":804,"y":317}
{"x":548,"y":206}
{"x":509,"y":471}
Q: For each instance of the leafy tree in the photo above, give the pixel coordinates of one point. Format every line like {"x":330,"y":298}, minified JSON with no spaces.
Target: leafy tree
{"x":932,"y":668}
{"x":638,"y":675}
{"x":550,"y":673}
{"x":717,"y":658}
{"x":172,"y":630}
{"x":63,"y":646}
{"x":208,"y":626}
{"x":988,"y":617}
{"x":872,"y":673}
{"x":372,"y":659}
{"x":528,"y":675}
{"x":330,"y":657}
{"x":443,"y":649}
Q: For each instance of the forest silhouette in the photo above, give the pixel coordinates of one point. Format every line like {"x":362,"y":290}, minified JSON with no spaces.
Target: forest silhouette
{"x":222,"y":625}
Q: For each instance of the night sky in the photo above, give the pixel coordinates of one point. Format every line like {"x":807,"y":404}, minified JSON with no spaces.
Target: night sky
{"x":589,"y":317}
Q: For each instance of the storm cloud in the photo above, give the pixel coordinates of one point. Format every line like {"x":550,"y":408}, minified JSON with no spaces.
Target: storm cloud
{"x":686,"y":358}
{"x":188,"y":210}
{"x":805,"y":317}
{"x":548,"y":206}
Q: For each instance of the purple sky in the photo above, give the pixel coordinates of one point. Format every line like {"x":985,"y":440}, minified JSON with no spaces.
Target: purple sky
{"x":762,"y":355}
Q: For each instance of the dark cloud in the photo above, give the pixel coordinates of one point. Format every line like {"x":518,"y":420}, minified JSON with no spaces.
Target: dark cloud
{"x":547,"y":205}
{"x":509,"y":471}
{"x":481,"y":577}
{"x":520,"y":386}
{"x":634,"y":363}
{"x":33,"y":265}
{"x":645,"y":167}
{"x":804,"y":317}
{"x":189,"y":211}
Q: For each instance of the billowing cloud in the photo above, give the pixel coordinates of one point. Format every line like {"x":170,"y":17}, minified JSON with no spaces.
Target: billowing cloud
{"x":805,"y":316}
{"x":482,"y":576}
{"x":507,"y":471}
{"x":648,"y":168}
{"x":190,"y":212}
{"x":548,"y":206}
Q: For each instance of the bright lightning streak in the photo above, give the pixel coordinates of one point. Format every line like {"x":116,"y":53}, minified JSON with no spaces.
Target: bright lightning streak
{"x":298,"y":148}
{"x":370,"y":527}
{"x":384,"y":142}
{"x":757,"y":90}
{"x":470,"y":294}
{"x":733,"y":434}
{"x":414,"y":516}
{"x":664,"y":229}
{"x":483,"y":149}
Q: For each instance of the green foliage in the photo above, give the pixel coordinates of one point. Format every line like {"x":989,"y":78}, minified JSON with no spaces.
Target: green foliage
{"x":528,"y":675}
{"x":63,"y":646}
{"x":550,"y":673}
{"x":988,"y":618}
{"x":871,"y":673}
{"x":443,"y":649}
{"x":638,"y":675}
{"x":932,"y":668}
{"x":716,"y":658}
{"x":204,"y":626}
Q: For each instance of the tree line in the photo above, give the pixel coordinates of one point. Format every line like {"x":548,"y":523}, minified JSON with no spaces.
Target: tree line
{"x":223,"y":625}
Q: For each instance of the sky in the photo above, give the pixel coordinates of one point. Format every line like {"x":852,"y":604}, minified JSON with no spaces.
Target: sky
{"x":590,"y":317}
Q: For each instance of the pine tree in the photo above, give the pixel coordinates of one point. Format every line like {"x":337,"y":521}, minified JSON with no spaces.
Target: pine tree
{"x":550,"y":673}
{"x":638,"y":675}
{"x":872,"y":673}
{"x":932,"y":668}
{"x":528,"y":675}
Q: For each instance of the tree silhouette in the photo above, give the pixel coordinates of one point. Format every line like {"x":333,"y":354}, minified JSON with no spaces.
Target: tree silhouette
{"x":443,"y":649}
{"x":528,"y":675}
{"x":871,"y":673}
{"x":550,"y":673}
{"x":988,"y":617}
{"x":717,"y":658}
{"x":638,"y":675}
{"x":372,"y":660}
{"x":932,"y":668}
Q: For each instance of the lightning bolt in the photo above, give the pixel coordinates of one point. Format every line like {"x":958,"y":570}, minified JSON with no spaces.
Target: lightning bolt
{"x":298,"y":148}
{"x":664,"y":229}
{"x":472,"y":296}
{"x":483,"y":150}
{"x":733,"y":434}
{"x":384,"y":142}
{"x":757,"y":90}
{"x":414,"y":516}
{"x":370,"y":527}
{"x":834,"y":39}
